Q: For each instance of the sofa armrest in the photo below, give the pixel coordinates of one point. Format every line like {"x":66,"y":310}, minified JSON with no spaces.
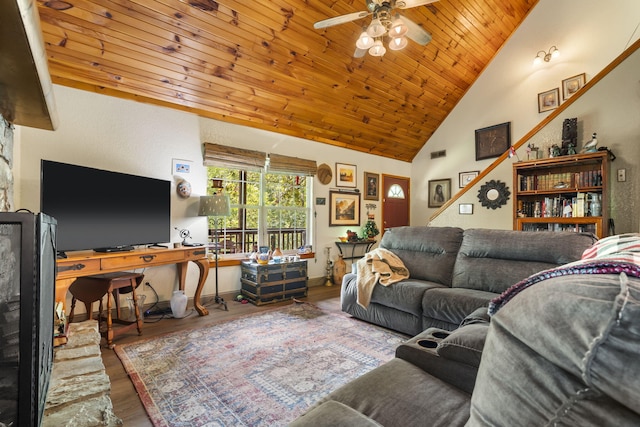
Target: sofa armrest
{"x":334,"y":414}
{"x":453,"y":357}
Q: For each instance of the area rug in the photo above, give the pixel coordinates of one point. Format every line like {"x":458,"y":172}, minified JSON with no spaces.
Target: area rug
{"x":261,"y":370}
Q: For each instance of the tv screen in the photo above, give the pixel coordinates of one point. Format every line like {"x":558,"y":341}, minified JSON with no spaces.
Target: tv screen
{"x":102,"y":210}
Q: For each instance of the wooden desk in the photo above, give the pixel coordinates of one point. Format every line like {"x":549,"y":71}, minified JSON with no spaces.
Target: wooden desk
{"x":87,"y":263}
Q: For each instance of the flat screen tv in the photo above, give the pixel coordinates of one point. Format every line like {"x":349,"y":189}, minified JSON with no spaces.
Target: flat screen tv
{"x":103,"y":210}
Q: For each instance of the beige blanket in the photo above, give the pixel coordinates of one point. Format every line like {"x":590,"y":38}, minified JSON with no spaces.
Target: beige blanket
{"x":378,"y":266}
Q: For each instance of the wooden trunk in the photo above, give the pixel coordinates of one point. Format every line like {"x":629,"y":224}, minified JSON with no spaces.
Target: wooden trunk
{"x":269,"y":283}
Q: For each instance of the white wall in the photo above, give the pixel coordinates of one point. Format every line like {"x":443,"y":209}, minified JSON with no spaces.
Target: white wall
{"x":126,"y":136}
{"x":589,"y":36}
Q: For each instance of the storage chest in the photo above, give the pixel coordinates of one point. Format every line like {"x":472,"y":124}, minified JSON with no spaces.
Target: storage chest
{"x":268,"y":283}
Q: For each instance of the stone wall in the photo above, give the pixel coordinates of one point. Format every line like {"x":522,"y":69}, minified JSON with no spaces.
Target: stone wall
{"x":79,"y":388}
{"x":6,"y":165}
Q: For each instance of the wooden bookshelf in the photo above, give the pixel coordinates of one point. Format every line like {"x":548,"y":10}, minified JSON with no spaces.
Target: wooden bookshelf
{"x":566,"y":193}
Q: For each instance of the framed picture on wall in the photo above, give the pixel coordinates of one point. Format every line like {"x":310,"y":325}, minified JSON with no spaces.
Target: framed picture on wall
{"x":548,"y":100}
{"x":492,"y":141}
{"x":439,"y":192}
{"x":572,"y":85}
{"x":344,"y":208}
{"x":372,"y":185}
{"x":345,"y":175}
{"x":466,"y":177}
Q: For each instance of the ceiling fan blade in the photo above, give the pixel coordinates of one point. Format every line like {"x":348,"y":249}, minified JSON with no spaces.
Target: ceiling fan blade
{"x":359,"y":53}
{"x":406,"y":4}
{"x":416,"y":32}
{"x":340,"y":19}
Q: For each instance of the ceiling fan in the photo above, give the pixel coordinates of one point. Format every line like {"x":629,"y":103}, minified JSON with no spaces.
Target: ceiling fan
{"x":384,"y":22}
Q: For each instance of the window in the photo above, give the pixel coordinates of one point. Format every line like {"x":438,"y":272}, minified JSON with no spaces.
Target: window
{"x":395,"y":192}
{"x":267,"y":209}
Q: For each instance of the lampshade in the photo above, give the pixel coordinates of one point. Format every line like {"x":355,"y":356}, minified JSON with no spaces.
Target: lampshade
{"x":365,"y":41}
{"x":398,"y":28}
{"x":216,"y":205}
{"x":377,"y":49}
{"x":398,"y":43}
{"x":376,"y":29}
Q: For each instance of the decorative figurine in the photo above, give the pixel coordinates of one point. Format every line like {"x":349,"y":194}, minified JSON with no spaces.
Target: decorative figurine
{"x":569,"y":136}
{"x":591,"y":146}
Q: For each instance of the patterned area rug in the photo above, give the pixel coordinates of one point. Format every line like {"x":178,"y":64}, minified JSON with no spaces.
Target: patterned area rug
{"x":260,"y":370}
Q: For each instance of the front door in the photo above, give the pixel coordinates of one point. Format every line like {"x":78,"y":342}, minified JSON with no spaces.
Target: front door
{"x":395,"y":201}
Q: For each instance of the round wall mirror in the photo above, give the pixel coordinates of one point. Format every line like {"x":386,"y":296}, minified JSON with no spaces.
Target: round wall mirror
{"x":493,"y":194}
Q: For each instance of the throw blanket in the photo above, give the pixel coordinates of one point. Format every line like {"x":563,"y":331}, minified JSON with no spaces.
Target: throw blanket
{"x":611,"y":255}
{"x":378,"y":266}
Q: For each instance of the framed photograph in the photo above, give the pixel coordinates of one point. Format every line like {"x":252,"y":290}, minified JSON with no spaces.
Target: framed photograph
{"x":344,"y":208}
{"x":572,"y":85}
{"x":439,"y":192}
{"x":492,"y":141}
{"x":345,"y":175}
{"x":321,"y":201}
{"x":466,"y":177}
{"x":372,"y":185}
{"x":548,"y":100}
{"x":465,"y":208}
{"x":181,"y":167}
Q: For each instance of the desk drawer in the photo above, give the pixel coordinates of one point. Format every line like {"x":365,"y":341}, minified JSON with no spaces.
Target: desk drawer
{"x":195,"y":253}
{"x":75,"y":268}
{"x":142,"y":260}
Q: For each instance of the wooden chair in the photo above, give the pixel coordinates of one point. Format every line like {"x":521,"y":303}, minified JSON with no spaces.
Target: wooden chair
{"x":90,"y":289}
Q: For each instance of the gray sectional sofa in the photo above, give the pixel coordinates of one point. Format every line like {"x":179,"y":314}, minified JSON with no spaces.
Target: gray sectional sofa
{"x":561,"y":349}
{"x":454,"y":271}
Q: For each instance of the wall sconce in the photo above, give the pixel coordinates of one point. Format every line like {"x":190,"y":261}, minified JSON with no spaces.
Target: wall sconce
{"x":546,"y":56}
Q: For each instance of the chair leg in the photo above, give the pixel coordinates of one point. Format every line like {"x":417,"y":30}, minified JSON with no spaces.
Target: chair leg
{"x":116,"y":299}
{"x":109,"y":321}
{"x":135,"y":307}
{"x":73,"y":307}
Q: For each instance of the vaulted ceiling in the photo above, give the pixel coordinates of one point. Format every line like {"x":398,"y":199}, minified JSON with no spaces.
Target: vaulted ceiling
{"x":261,"y":63}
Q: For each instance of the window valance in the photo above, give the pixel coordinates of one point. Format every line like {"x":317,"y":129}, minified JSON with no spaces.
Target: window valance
{"x":241,"y":158}
{"x":295,"y":165}
{"x":232,"y":157}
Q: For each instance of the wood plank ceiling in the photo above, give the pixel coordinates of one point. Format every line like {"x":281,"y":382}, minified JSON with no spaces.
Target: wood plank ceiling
{"x":260,"y":63}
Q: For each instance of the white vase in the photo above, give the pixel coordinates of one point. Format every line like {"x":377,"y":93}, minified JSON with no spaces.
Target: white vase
{"x":178,"y":304}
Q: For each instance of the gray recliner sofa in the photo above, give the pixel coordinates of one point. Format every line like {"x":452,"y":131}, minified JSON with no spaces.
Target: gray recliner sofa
{"x":562,"y":351}
{"x":455,"y":271}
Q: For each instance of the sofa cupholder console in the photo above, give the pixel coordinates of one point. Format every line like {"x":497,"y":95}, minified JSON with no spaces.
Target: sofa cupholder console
{"x":433,"y":339}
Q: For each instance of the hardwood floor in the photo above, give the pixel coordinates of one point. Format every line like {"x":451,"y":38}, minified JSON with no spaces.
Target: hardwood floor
{"x":126,"y":403}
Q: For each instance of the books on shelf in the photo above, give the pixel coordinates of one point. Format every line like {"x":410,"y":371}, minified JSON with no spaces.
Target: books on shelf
{"x":580,"y":205}
{"x":556,"y":181}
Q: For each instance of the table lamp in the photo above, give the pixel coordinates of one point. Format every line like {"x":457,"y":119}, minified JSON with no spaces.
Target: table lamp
{"x":216,"y":206}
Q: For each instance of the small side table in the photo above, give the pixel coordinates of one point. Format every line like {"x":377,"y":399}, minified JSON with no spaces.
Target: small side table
{"x":348,"y":249}
{"x":89,"y":289}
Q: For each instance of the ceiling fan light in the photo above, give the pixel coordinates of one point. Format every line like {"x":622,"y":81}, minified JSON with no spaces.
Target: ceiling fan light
{"x":364,"y":41}
{"x":377,"y":49}
{"x":398,"y":28}
{"x":376,"y":29}
{"x":398,"y":43}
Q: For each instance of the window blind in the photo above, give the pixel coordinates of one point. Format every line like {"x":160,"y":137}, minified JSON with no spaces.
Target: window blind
{"x":232,"y":157}
{"x":294,"y":165}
